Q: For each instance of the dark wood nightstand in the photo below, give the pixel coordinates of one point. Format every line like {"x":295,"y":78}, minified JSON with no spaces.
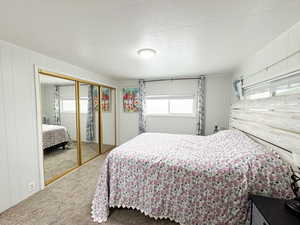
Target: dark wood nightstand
{"x":271,"y":211}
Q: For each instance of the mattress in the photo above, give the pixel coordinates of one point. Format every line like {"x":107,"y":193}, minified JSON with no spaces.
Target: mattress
{"x":190,"y":179}
{"x":53,"y":135}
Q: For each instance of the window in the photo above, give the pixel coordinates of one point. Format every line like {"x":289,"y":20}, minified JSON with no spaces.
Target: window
{"x":259,"y":92}
{"x":170,"y":105}
{"x":69,"y":105}
{"x":181,"y":105}
{"x":157,"y":106}
{"x":84,"y":105}
{"x":283,"y":86}
{"x":287,"y":87}
{"x":259,"y":95}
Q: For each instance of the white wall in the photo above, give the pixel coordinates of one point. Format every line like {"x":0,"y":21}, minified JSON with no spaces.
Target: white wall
{"x":218,"y":100}
{"x":282,"y":55}
{"x":19,"y":160}
{"x":109,"y":123}
{"x":128,"y":122}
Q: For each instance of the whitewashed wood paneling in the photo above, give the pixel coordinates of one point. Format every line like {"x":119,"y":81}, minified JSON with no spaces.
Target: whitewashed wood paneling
{"x":287,"y":156}
{"x":282,"y":138}
{"x":281,"y":55}
{"x":275,"y":120}
{"x":281,"y":120}
{"x":285,"y":103}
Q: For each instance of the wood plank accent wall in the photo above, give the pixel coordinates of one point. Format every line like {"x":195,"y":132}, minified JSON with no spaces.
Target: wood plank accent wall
{"x":274,"y":122}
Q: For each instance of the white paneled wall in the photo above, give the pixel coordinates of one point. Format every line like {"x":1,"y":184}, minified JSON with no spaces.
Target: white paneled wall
{"x":282,"y":55}
{"x":4,"y":176}
{"x":19,"y":156}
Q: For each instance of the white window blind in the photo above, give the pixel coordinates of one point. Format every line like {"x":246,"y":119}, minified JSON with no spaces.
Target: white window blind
{"x":170,"y":105}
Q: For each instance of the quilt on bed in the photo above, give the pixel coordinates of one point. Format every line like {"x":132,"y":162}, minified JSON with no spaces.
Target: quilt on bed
{"x":53,"y":135}
{"x":190,"y":179}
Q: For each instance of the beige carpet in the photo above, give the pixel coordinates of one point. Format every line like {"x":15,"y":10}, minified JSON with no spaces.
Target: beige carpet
{"x":68,"y":201}
{"x":57,"y":161}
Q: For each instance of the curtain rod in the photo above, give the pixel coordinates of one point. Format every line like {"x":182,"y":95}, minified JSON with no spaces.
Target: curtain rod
{"x":191,"y":78}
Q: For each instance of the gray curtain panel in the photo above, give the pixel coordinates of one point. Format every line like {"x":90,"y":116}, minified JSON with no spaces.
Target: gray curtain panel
{"x":142,"y":106}
{"x":200,"y":113}
{"x":90,"y":122}
{"x":56,"y":106}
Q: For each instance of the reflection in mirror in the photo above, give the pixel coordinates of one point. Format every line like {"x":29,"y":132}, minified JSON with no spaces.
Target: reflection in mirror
{"x":89,"y":121}
{"x":58,"y":105}
{"x":108,"y":118}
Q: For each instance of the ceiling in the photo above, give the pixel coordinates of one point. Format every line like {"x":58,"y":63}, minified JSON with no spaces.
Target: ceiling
{"x":191,"y":37}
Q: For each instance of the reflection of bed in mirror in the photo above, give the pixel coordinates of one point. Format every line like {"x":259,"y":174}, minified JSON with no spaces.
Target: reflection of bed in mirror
{"x":54,"y":137}
{"x":59,"y":137}
{"x":60,"y":151}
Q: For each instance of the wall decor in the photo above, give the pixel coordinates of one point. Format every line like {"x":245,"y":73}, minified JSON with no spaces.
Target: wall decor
{"x":106,"y":93}
{"x":130,"y":99}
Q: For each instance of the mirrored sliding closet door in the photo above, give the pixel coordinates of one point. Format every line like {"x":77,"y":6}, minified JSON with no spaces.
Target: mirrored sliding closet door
{"x":78,"y":122}
{"x":89,"y":121}
{"x":59,"y":131}
{"x":108,"y":115}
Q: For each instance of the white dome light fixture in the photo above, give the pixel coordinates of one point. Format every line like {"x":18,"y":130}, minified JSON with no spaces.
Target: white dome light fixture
{"x":146,"y":53}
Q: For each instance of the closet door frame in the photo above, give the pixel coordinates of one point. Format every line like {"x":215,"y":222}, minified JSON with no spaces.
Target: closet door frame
{"x":100,"y":128}
{"x":38,"y":73}
{"x":79,"y":121}
{"x":56,"y":177}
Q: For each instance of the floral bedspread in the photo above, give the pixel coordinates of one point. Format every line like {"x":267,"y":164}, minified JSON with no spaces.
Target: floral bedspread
{"x":190,"y":179}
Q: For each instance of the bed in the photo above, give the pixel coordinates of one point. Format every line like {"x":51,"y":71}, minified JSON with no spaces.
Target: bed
{"x":54,"y":136}
{"x":190,"y":179}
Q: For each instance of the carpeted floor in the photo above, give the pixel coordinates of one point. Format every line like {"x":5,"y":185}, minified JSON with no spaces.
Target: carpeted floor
{"x":68,"y":201}
{"x":57,"y":161}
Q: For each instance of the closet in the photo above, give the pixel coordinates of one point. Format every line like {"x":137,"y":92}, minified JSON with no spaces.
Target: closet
{"x":78,"y":122}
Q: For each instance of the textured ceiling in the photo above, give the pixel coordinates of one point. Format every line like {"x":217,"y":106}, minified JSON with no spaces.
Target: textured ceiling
{"x":191,"y":36}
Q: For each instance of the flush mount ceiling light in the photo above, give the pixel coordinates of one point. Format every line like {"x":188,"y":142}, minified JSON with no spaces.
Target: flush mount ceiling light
{"x":146,"y":53}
